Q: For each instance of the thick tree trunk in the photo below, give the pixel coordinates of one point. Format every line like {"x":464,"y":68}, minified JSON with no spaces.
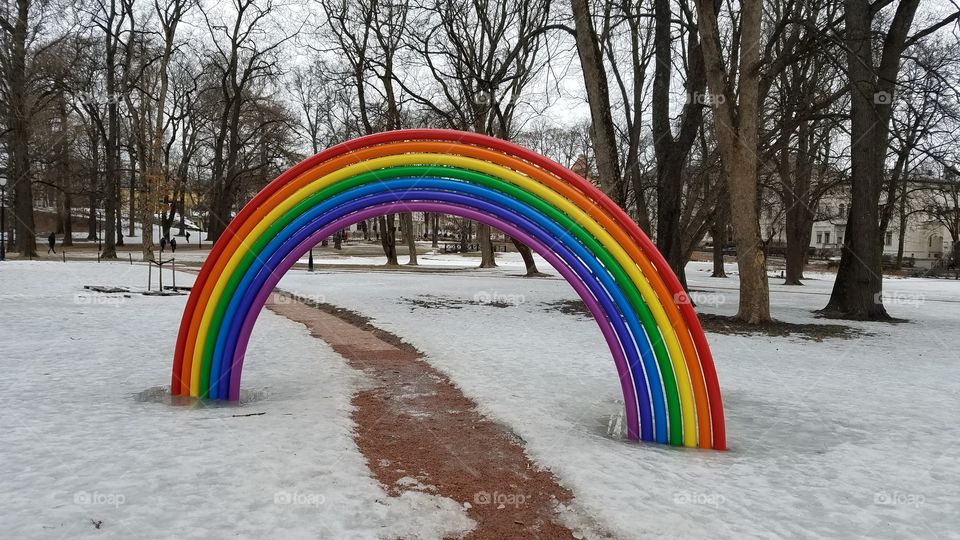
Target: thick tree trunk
{"x":110,"y":187}
{"x":67,"y":213}
{"x":671,"y":152}
{"x":92,"y":217}
{"x":487,"y":257}
{"x":219,"y":216}
{"x":798,"y":226}
{"x":64,"y":178}
{"x":737,"y":125}
{"x":182,"y":211}
{"x":148,"y":212}
{"x":58,"y":211}
{"x":602,"y":130}
{"x":24,"y":230}
{"x":168,"y":213}
{"x":858,"y":290}
{"x":119,"y":227}
{"x":718,"y":231}
{"x":529,"y":262}
{"x":902,"y":217}
{"x":465,"y":233}
{"x":9,"y":230}
{"x":799,"y":203}
{"x":132,"y":202}
{"x":434,"y":235}
{"x":388,"y":238}
{"x":19,"y":135}
{"x":719,"y":271}
{"x":669,"y":193}
{"x":406,"y":222}
{"x":751,"y":260}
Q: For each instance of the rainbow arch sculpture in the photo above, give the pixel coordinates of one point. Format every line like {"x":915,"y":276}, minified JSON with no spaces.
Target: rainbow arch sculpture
{"x":662,"y":357}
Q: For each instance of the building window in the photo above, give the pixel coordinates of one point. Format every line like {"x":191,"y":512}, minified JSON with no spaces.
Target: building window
{"x":889,"y":239}
{"x":819,"y":238}
{"x":826,"y":237}
{"x":839,"y":238}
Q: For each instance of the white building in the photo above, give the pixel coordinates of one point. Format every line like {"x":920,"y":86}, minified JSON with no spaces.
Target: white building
{"x":925,"y":239}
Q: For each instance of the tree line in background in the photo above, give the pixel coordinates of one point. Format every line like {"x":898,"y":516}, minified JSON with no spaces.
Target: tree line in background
{"x":700,"y":112}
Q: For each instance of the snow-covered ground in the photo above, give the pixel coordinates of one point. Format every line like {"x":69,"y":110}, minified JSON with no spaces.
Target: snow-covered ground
{"x":845,"y":437}
{"x":88,"y":447}
{"x":429,"y":258}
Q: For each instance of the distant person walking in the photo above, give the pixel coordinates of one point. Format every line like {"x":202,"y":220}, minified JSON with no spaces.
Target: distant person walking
{"x":52,"y":242}
{"x":188,"y":237}
{"x":173,"y":245}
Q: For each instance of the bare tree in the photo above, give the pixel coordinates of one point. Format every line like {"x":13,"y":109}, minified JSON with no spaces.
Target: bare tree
{"x":316,"y":92}
{"x":922,"y":128}
{"x":389,"y":22}
{"x":873,"y":63}
{"x":108,"y":18}
{"x":735,"y":100}
{"x":942,"y":205}
{"x":80,"y":86}
{"x":182,"y":146}
{"x":145,"y":90}
{"x":672,"y":150}
{"x":362,"y":35}
{"x":568,"y":146}
{"x":598,"y":94}
{"x":246,"y":40}
{"x":19,"y":25}
{"x":482,"y":56}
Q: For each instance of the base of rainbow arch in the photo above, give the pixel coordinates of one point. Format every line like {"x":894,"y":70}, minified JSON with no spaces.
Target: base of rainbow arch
{"x":662,"y":358}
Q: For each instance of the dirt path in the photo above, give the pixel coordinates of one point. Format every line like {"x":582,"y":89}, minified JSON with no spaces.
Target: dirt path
{"x":418,"y":431}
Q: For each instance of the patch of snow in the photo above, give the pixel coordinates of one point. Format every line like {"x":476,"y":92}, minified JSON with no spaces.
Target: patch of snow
{"x":91,"y":445}
{"x":845,"y":437}
{"x":410,"y":482}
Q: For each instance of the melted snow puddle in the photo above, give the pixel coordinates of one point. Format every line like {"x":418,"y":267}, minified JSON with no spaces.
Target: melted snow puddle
{"x":161,"y":394}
